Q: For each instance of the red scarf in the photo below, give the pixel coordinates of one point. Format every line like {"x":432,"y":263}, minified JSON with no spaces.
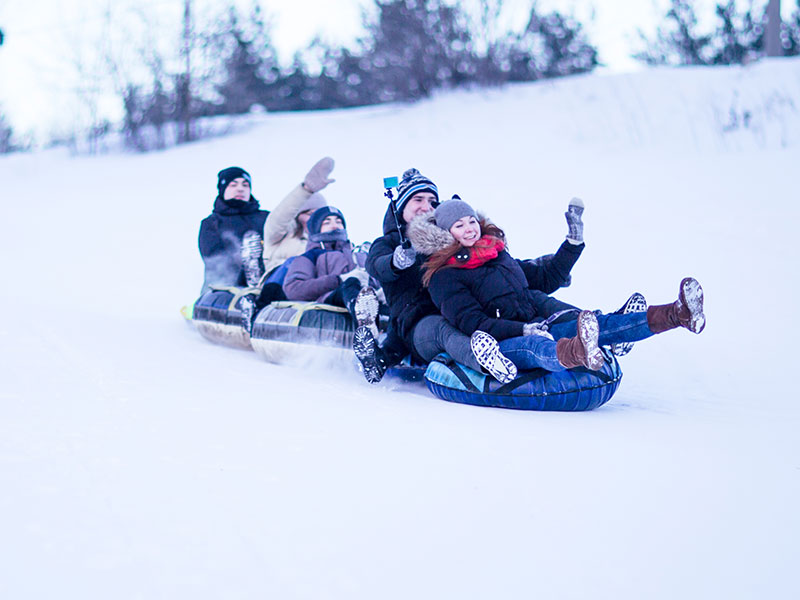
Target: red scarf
{"x":484,"y":250}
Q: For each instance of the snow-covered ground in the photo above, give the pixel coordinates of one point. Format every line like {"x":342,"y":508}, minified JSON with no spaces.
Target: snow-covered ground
{"x":139,"y":461}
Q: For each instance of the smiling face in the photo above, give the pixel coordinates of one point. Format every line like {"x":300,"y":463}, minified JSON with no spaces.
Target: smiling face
{"x":238,"y":189}
{"x":331,"y":223}
{"x":466,"y":231}
{"x":420,"y":203}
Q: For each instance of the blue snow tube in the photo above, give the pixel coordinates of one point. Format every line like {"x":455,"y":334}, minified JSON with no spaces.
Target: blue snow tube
{"x":572,"y":390}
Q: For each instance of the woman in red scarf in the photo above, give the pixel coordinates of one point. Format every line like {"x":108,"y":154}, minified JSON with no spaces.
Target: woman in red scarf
{"x":478,"y":286}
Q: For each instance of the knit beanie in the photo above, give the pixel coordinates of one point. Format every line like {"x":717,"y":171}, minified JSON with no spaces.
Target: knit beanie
{"x":314,"y":201}
{"x":451,"y":211}
{"x":225,"y":176}
{"x":412,"y":183}
{"x":315,"y":223}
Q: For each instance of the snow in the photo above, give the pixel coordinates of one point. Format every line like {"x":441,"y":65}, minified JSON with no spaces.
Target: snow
{"x":139,"y":461}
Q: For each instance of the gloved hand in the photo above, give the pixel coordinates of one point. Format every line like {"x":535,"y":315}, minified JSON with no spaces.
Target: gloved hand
{"x":403,"y":258}
{"x":574,"y":221}
{"x":318,"y":177}
{"x":536,"y":329}
{"x":359,"y":273}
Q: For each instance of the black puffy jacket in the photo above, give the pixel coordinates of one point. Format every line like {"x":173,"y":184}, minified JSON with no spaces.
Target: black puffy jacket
{"x":220,"y":239}
{"x":408,"y":301}
{"x":498,"y":297}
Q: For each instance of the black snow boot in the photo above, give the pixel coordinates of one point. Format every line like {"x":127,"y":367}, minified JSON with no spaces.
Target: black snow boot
{"x":369,"y":354}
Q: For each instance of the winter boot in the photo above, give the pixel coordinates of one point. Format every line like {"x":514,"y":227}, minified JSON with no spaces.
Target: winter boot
{"x":582,"y":350}
{"x":247,"y":306}
{"x":686,"y":311}
{"x":365,"y":310}
{"x":487,"y":353}
{"x":252,"y":249}
{"x":636,"y":303}
{"x":369,"y":354}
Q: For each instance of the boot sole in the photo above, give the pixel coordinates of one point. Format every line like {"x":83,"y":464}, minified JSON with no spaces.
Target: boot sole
{"x":365,"y":350}
{"x":487,"y":352}
{"x":366,"y":310}
{"x":692,"y":297}
{"x":588,"y":333}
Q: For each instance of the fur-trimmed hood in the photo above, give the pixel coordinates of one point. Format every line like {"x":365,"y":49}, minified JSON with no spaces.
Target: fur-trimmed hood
{"x":425,"y":236}
{"x":428,"y":238}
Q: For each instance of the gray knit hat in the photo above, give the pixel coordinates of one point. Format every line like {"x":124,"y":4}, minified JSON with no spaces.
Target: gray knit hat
{"x":452,"y":210}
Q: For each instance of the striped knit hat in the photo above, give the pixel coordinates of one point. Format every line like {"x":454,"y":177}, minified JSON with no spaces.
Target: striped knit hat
{"x":412,"y":183}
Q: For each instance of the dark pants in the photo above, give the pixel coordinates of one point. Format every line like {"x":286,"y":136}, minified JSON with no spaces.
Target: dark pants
{"x":345,"y":295}
{"x":271,"y":292}
{"x":434,"y":335}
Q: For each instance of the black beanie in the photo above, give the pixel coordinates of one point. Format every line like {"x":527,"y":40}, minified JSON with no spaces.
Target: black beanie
{"x":225,"y":176}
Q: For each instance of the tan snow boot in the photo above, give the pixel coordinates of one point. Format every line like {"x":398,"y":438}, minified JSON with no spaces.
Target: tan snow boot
{"x":582,"y":350}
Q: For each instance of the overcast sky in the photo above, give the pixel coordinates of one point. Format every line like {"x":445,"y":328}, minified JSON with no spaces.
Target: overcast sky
{"x":43,"y":37}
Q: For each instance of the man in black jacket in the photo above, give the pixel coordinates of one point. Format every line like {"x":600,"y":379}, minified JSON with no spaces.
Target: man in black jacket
{"x":236,"y":211}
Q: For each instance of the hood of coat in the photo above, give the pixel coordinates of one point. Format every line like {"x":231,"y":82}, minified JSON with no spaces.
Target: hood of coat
{"x":389,"y":223}
{"x":426,"y":237}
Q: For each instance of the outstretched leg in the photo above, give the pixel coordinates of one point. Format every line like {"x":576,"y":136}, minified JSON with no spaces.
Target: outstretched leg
{"x":686,"y":312}
{"x":537,"y":351}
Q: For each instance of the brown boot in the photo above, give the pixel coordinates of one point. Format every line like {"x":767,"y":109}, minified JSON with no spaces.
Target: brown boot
{"x":686,"y":311}
{"x":582,"y":350}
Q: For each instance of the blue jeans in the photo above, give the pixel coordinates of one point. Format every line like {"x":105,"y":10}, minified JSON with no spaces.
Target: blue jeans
{"x":535,"y":351}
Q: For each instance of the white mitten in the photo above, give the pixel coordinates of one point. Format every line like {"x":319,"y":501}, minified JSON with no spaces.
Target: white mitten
{"x":403,"y":258}
{"x":360,"y":274}
{"x":574,"y":221}
{"x":319,"y":176}
{"x":536,"y":329}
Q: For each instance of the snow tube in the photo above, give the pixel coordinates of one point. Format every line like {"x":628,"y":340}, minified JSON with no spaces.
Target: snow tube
{"x":290,"y":331}
{"x":217,"y":317}
{"x":572,"y":390}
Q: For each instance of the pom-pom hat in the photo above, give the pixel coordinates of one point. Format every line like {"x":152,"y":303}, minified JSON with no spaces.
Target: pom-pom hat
{"x":413,"y":182}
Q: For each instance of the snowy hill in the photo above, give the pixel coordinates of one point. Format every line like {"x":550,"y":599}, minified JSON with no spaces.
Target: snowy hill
{"x":139,"y":461}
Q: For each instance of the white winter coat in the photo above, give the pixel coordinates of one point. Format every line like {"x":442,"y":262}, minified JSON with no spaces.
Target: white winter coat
{"x":280,"y":230}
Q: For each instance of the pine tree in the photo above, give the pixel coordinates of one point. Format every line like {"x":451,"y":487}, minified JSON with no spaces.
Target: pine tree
{"x":739,"y":36}
{"x":790,"y":33}
{"x":677,"y":41}
{"x":417,"y":47}
{"x":250,"y":66}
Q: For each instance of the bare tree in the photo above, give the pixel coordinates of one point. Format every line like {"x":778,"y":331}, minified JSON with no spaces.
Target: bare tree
{"x":184,"y":81}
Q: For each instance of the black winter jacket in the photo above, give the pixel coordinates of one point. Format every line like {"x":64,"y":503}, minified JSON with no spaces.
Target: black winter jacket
{"x":408,"y":301}
{"x":498,"y":297}
{"x":220,"y":239}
